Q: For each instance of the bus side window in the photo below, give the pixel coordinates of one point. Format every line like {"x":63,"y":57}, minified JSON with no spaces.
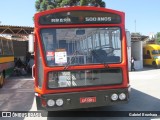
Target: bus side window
{"x":148,"y":55}
{"x":5,"y":47}
{"x":0,"y":47}
{"x":10,"y":50}
{"x":0,"y":51}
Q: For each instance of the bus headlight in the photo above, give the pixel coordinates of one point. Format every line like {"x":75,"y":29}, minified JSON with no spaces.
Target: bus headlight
{"x":114,"y":97}
{"x":122,"y":96}
{"x":50,"y":102}
{"x":59,"y":102}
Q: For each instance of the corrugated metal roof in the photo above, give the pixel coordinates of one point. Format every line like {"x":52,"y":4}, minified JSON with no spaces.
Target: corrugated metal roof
{"x":16,"y":26}
{"x":139,"y":38}
{"x":20,"y":30}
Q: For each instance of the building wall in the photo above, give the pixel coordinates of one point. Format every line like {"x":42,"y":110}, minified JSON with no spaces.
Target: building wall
{"x":128,"y":35}
{"x":20,"y":49}
{"x":137,"y":54}
{"x":129,"y":58}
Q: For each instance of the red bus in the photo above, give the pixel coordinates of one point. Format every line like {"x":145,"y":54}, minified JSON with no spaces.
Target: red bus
{"x":80,"y":58}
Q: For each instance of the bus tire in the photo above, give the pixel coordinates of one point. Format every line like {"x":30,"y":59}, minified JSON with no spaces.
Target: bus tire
{"x":38,"y":102}
{"x":1,"y":79}
{"x":154,"y":64}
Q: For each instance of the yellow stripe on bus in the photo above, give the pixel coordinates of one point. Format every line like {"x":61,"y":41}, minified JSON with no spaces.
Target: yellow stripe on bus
{"x":6,"y":59}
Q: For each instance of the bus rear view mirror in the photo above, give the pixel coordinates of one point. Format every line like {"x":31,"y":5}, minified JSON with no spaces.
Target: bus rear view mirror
{"x":80,"y":32}
{"x":31,"y":43}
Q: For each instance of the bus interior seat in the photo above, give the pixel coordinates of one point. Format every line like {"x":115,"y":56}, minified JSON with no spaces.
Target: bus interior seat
{"x":100,"y":56}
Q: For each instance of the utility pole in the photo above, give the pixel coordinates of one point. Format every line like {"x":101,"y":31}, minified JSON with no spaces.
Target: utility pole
{"x":135,"y":26}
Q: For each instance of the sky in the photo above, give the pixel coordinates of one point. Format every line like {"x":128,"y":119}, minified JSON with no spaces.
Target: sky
{"x":142,"y":16}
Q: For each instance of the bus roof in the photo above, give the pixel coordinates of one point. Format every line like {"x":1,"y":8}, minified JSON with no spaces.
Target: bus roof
{"x":79,"y":15}
{"x":154,"y":46}
{"x":80,"y":8}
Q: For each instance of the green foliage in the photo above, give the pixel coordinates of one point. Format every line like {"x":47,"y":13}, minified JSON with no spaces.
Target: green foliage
{"x":158,"y":38}
{"x":136,"y":34}
{"x":158,"y":34}
{"x":42,"y":5}
{"x":83,"y":2}
{"x":37,"y":4}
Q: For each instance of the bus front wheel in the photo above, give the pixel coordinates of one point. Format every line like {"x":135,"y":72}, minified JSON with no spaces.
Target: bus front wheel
{"x":154,"y":64}
{"x":1,"y":80}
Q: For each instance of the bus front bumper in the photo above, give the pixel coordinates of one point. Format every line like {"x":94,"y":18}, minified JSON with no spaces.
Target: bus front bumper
{"x":77,"y":100}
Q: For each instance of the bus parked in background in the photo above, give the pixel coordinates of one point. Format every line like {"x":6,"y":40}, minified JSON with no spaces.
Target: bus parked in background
{"x":151,"y":55}
{"x":6,"y":59}
{"x":80,"y":58}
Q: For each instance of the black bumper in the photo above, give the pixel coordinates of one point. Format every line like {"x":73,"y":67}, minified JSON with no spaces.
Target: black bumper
{"x":72,"y":100}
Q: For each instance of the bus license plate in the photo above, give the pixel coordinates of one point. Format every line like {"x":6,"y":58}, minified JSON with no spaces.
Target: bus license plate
{"x":88,"y":100}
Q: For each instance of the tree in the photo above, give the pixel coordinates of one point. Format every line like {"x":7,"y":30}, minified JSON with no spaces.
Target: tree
{"x":42,"y":5}
{"x":158,"y":38}
{"x":136,"y":34}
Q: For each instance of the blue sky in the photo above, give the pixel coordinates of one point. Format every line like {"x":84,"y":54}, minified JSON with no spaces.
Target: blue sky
{"x":146,"y":13}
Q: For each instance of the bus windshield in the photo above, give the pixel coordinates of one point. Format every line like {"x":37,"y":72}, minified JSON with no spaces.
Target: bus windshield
{"x":79,"y":46}
{"x":155,"y":52}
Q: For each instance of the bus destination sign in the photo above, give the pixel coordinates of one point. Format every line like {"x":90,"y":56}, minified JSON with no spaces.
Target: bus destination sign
{"x":80,"y":17}
{"x":98,"y":19}
{"x":86,"y":19}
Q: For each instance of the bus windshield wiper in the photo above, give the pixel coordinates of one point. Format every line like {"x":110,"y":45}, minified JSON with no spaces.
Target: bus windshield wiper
{"x":71,"y":60}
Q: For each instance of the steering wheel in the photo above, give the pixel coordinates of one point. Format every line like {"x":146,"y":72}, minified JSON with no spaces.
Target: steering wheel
{"x":108,"y":47}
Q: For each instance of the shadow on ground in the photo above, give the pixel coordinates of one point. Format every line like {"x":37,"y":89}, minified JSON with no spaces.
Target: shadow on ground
{"x":17,"y":95}
{"x":146,"y":68}
{"x":139,"y":102}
